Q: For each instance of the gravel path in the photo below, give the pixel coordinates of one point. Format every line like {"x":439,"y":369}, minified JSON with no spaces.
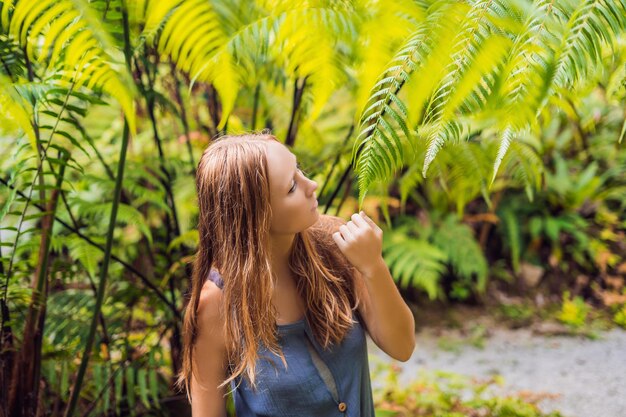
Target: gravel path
{"x":588,"y":376}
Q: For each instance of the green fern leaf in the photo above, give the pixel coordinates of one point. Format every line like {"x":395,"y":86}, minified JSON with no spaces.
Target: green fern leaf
{"x":463,"y":251}
{"x":414,"y":262}
{"x":126,"y":214}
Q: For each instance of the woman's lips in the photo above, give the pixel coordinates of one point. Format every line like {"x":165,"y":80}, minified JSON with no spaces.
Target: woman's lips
{"x":315,"y":206}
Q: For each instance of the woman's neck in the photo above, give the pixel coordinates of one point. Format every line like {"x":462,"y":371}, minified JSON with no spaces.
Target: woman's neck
{"x":280,"y":250}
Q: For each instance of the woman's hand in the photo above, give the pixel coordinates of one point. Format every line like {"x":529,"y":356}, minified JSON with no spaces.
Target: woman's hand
{"x":361,"y":241}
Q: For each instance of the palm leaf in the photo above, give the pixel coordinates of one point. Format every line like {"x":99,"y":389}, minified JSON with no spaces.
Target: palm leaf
{"x":16,"y":111}
{"x":66,"y":36}
{"x":301,"y":39}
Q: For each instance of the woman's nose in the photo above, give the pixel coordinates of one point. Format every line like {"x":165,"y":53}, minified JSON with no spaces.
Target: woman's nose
{"x":313,"y":186}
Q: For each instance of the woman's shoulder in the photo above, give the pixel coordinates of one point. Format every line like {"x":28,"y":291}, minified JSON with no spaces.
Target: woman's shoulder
{"x":210,"y":303}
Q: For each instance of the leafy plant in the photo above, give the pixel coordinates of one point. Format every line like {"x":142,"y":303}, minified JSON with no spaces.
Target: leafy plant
{"x":573,"y":311}
{"x":619,"y":313}
{"x":460,"y":64}
{"x":419,"y":255}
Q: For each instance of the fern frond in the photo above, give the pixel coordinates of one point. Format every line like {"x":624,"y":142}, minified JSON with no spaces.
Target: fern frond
{"x":300,"y":39}
{"x":498,"y":61}
{"x":523,"y":164}
{"x":505,"y":142}
{"x":377,"y":47}
{"x":464,"y":253}
{"x":312,"y":53}
{"x":12,"y":62}
{"x":379,"y":156}
{"x":85,"y":253}
{"x":414,"y":262}
{"x":526,"y":68}
{"x":418,"y":52}
{"x":476,"y":53}
{"x":126,"y":214}
{"x":592,"y":24}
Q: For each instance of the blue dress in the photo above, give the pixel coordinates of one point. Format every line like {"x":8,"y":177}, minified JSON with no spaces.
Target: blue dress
{"x":316,"y":382}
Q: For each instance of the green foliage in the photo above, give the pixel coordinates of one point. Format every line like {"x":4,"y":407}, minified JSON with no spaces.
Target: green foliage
{"x":461,"y":173}
{"x":573,"y":223}
{"x":465,"y":256}
{"x":574,"y":311}
{"x":67,"y":38}
{"x":541,"y":163}
{"x":487,"y":59}
{"x":419,"y":255}
{"x":517,"y":314}
{"x":620,"y":316}
{"x":447,"y":394}
{"x":414,"y":262}
{"x":214,"y":42}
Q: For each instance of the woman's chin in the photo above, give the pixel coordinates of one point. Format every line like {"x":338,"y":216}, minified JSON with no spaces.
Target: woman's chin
{"x":316,"y":215}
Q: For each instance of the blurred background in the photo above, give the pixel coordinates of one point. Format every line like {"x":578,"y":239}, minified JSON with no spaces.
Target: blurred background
{"x":484,"y":136}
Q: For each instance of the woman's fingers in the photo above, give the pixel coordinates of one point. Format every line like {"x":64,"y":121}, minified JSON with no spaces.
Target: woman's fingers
{"x":369,"y":221}
{"x":359,"y":220}
{"x":354,"y":229}
{"x":345,"y":232}
{"x":339,"y":240}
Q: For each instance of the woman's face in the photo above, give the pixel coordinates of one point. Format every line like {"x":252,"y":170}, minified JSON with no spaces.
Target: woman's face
{"x":292,"y":195}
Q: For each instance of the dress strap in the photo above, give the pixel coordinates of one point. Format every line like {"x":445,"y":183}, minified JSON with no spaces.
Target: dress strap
{"x":216,"y":278}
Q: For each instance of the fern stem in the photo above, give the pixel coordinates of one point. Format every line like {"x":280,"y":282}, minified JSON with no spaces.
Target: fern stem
{"x":24,"y":386}
{"x":103,"y":271}
{"x":109,"y":240}
{"x":298,"y":91}
{"x":255,"y":106}
{"x":183,"y":117}
{"x":214,"y":109}
{"x":337,"y":189}
{"x":147,"y":93}
{"x":336,"y":161}
{"x":346,"y":193}
{"x":24,"y":392}
{"x":172,"y":225}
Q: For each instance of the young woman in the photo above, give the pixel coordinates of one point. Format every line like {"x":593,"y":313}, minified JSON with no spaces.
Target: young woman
{"x":282,"y":296}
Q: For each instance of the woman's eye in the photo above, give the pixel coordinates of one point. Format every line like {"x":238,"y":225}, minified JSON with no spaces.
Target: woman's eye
{"x":298,"y":168}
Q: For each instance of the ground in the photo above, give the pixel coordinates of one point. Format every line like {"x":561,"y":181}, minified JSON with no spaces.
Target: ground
{"x":577,"y":375}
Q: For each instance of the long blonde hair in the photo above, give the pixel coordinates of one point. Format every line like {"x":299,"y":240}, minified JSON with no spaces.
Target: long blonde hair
{"x":234,"y":221}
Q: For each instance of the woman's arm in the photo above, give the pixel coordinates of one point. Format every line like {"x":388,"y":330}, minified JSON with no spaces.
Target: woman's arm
{"x":389,"y":321}
{"x":207,"y":400}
